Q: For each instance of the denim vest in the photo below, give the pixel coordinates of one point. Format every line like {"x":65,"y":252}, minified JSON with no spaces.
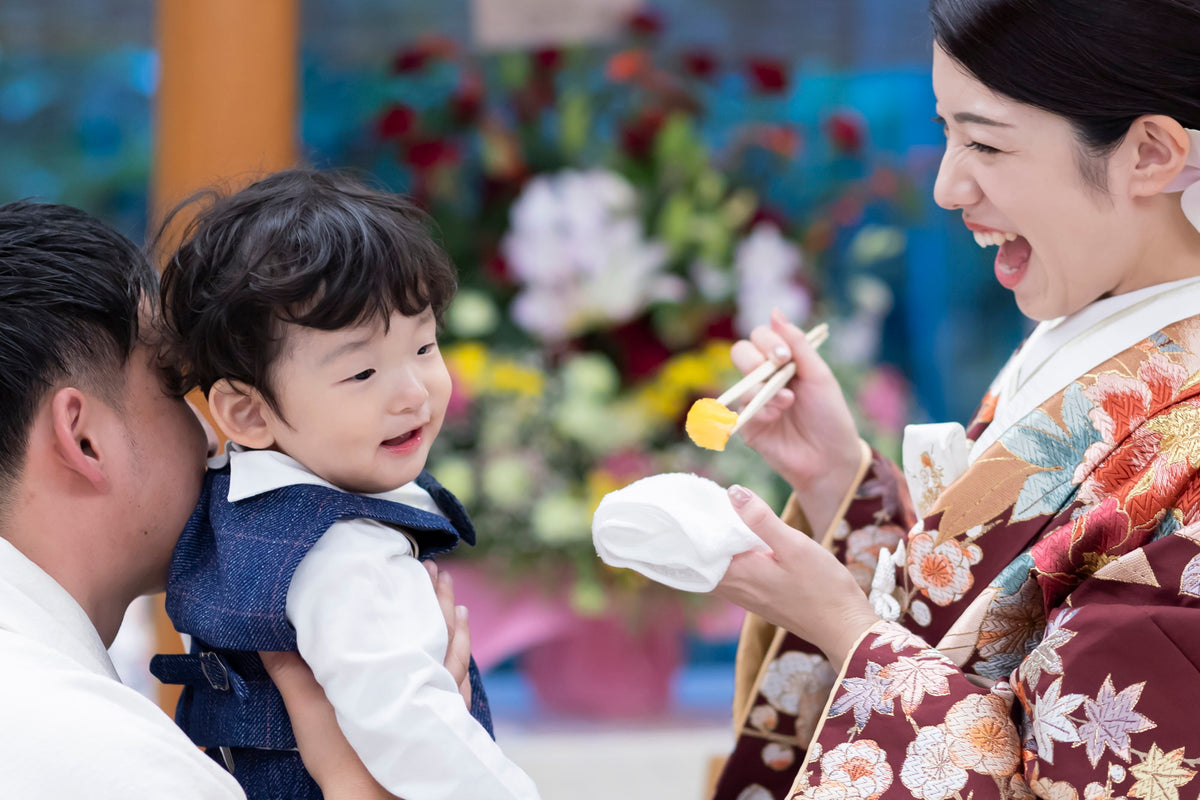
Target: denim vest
{"x":227,"y":588}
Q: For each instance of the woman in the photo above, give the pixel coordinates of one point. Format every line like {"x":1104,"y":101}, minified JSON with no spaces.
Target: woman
{"x":1038,"y":634}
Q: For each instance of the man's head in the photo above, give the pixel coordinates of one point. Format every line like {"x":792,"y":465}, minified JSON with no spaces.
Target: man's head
{"x":306,"y":307}
{"x":99,"y":467}
{"x":70,"y":292}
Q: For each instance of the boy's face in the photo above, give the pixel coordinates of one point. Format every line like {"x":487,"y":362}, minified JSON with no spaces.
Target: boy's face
{"x":364,"y":404}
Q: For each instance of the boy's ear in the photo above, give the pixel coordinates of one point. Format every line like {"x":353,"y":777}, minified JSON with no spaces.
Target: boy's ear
{"x":241,"y":413}
{"x":1162,"y":151}
{"x":78,"y":442}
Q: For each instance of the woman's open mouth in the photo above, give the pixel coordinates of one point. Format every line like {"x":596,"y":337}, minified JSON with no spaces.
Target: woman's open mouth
{"x":1012,"y":257}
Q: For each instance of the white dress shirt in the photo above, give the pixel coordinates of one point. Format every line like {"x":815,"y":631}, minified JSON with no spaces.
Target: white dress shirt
{"x":68,"y":727}
{"x":369,"y":624}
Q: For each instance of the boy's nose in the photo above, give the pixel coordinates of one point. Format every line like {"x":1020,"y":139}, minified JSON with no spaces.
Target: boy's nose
{"x":410,"y":394}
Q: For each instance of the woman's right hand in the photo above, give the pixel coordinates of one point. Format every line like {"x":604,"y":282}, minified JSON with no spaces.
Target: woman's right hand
{"x":806,"y":432}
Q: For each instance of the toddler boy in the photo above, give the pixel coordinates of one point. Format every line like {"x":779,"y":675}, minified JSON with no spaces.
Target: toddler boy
{"x":306,"y":307}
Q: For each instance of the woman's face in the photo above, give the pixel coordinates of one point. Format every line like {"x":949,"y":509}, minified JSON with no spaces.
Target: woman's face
{"x":1013,"y":170}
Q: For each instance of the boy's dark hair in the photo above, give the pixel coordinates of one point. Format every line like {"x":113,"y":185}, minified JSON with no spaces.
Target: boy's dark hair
{"x":318,"y":249}
{"x":70,"y":292}
{"x":1099,"y":64}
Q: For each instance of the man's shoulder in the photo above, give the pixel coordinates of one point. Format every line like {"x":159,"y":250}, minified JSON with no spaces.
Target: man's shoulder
{"x":67,"y":728}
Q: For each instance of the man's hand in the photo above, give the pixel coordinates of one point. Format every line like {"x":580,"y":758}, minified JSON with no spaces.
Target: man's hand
{"x":327,"y":755}
{"x":458,"y":651}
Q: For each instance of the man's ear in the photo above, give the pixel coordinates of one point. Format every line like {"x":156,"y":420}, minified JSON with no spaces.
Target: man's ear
{"x":1162,"y":147}
{"x":77,"y":440}
{"x":241,"y":413}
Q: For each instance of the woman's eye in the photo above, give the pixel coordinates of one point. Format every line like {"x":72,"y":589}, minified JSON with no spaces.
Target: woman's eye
{"x":362,"y":376}
{"x":981,"y":148}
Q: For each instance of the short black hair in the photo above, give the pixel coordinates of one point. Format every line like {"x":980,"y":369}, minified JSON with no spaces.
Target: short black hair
{"x":1101,"y":64}
{"x":321,"y":249}
{"x":70,"y":292}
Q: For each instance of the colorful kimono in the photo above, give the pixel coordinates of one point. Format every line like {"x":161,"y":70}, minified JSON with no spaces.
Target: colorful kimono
{"x":1041,"y":633}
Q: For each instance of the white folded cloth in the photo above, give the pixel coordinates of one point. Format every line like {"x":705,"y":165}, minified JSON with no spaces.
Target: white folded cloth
{"x":676,"y":528}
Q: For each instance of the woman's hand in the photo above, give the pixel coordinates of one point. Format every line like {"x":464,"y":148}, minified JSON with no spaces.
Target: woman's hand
{"x":806,"y":432}
{"x":799,"y":585}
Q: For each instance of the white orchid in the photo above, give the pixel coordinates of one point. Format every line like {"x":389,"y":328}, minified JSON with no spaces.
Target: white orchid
{"x":767,"y":267}
{"x":579,"y":250}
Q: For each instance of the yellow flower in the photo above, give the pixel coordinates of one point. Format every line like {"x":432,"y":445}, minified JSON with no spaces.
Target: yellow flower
{"x":599,"y":483}
{"x":513,"y":378}
{"x":468,"y":362}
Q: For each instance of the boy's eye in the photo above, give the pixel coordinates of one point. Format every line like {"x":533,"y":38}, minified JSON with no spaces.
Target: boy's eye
{"x":362,"y":376}
{"x":427,"y":348}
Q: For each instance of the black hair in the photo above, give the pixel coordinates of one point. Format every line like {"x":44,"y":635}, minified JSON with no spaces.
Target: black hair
{"x":313,"y":248}
{"x":1101,"y":64}
{"x":70,"y":292}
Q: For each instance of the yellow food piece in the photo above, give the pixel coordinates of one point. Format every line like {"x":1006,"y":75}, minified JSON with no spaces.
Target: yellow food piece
{"x":709,"y":424}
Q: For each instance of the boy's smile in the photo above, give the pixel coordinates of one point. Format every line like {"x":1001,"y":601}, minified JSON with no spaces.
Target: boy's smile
{"x":360,"y":406}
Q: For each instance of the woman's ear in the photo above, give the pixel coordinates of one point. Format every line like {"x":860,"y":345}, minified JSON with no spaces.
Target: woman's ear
{"x":1161,"y":151}
{"x":78,"y":442}
{"x":242,"y":414}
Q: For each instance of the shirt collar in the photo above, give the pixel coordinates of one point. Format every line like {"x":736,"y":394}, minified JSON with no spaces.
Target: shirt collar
{"x":255,"y":472}
{"x":34,"y":605}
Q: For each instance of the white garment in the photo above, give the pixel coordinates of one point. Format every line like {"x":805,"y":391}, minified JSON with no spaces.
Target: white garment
{"x":368,"y":622}
{"x":1060,"y":350}
{"x":68,"y":728}
{"x":675,"y":528}
{"x":1054,"y":355}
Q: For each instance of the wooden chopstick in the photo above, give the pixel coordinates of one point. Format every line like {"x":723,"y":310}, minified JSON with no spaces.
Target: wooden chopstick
{"x":780,"y":375}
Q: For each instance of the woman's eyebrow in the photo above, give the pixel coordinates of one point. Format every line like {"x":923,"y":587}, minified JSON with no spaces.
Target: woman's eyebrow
{"x":966,"y":117}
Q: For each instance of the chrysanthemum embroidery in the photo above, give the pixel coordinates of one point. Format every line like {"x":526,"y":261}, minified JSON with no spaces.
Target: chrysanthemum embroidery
{"x":929,"y":771}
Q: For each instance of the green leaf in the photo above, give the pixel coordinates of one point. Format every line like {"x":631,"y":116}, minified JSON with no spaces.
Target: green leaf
{"x":675,"y":221}
{"x":575,"y":112}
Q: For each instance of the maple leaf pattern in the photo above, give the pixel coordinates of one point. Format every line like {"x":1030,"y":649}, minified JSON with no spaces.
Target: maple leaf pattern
{"x":1160,"y":775}
{"x":911,"y":679}
{"x":1190,"y":582}
{"x":865,"y":695}
{"x":1045,"y":657}
{"x":1110,"y":720}
{"x":1050,"y":721}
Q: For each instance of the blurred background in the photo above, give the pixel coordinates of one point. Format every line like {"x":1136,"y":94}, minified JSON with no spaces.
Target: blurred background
{"x":626,"y":187}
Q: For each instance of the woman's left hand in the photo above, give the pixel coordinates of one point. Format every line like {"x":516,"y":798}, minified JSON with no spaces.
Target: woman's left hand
{"x":798,"y":585}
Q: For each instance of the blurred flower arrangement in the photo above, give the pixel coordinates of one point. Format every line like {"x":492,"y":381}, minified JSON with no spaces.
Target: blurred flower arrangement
{"x":614,"y":235}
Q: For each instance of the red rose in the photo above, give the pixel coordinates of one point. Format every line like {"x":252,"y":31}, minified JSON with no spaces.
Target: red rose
{"x":847,"y":132}
{"x":645,"y":23}
{"x":699,"y":64}
{"x":409,"y":60}
{"x":637,"y":135}
{"x":398,"y":121}
{"x":548,"y":58}
{"x":425,"y":154}
{"x":768,"y":76}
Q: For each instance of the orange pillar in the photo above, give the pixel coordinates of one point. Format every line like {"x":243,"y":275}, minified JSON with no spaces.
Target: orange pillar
{"x":226,"y":112}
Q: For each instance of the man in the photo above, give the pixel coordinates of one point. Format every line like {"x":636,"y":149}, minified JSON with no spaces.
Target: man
{"x":99,"y":471}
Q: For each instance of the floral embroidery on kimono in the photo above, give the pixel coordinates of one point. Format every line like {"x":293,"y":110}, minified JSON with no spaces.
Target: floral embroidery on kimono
{"x":1046,"y":633}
